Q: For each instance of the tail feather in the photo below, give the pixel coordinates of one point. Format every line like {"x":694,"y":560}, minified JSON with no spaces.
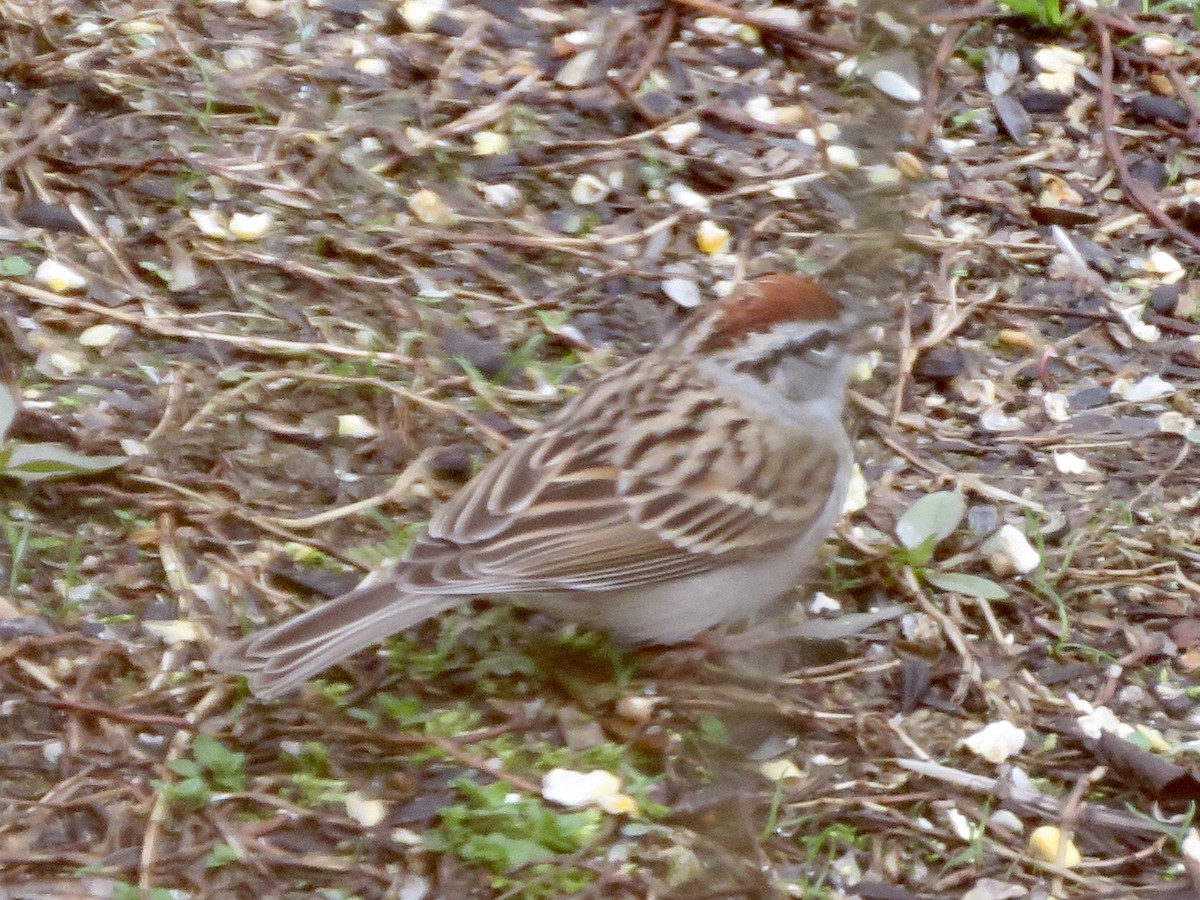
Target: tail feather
{"x":282,"y":657}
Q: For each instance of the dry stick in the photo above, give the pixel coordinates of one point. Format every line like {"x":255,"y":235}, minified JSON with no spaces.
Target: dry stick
{"x":167,"y":329}
{"x":476,"y":118}
{"x":933,"y":85}
{"x":1072,"y":809}
{"x":1134,"y":189}
{"x":658,"y":45}
{"x":971,"y":674}
{"x":405,"y":480}
{"x":50,"y":130}
{"x":635,"y":102}
{"x":713,"y":8}
{"x":965,"y":480}
{"x":117,"y":715}
{"x":158,"y":812}
{"x":133,"y":284}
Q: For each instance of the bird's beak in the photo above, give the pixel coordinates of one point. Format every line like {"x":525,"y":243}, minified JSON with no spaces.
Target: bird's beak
{"x":860,"y":326}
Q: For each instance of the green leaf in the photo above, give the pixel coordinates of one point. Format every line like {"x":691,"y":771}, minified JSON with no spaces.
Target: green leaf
{"x":227,"y":766}
{"x":934,"y":517}
{"x":8,"y":410}
{"x":502,"y":852}
{"x":222,"y":854}
{"x":15,"y":266}
{"x":185,"y":767}
{"x":967,"y":585}
{"x":35,"y":462}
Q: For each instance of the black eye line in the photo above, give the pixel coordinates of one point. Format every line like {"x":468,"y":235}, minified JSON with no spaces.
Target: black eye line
{"x":816,"y":341}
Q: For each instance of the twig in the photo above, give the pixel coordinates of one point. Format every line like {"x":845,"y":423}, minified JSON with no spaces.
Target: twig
{"x":933,"y":84}
{"x":167,"y":329}
{"x":158,"y":812}
{"x":403,"y":482}
{"x":712,"y":8}
{"x":50,"y":130}
{"x":1135,"y":190}
{"x":117,"y":715}
{"x":658,"y":44}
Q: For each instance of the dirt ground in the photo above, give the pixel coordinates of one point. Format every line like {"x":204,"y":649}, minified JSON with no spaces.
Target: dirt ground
{"x":317,"y":260}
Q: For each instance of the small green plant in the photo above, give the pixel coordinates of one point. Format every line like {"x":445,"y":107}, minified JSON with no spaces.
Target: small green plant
{"x":1046,"y":14}
{"x":15,"y":266}
{"x":491,"y":827}
{"x":36,"y":462}
{"x":213,"y":767}
{"x":926,"y":524}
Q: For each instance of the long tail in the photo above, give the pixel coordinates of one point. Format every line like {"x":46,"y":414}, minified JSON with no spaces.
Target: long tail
{"x":281,"y":657}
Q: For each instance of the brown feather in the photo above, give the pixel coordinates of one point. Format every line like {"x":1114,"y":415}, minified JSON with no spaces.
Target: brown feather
{"x":765,"y":302}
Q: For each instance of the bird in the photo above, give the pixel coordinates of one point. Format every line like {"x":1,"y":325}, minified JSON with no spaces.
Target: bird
{"x":685,"y":489}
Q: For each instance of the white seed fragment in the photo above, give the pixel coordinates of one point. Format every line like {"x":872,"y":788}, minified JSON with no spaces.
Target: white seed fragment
{"x":996,"y":741}
{"x":578,"y":789}
{"x":1191,"y":845}
{"x":682,"y":195}
{"x":996,"y":420}
{"x":371,"y":65}
{"x":502,"y":196}
{"x":63,"y":362}
{"x":1159,"y":45}
{"x":883,"y":175}
{"x":1006,"y":819}
{"x":1010,"y":549}
{"x":1151,"y":387}
{"x":1059,"y":59}
{"x":711,"y":238}
{"x":355,"y":426}
{"x":896,"y":86}
{"x":1056,"y":406}
{"x":848,"y":67}
{"x":364,"y":810}
{"x":249,"y":227}
{"x":418,"y":15}
{"x":489,"y":143}
{"x":683,"y":291}
{"x":1172,"y":422}
{"x":960,"y":824}
{"x":236,"y":58}
{"x":909,"y":165}
{"x":99,"y":335}
{"x":636,"y":709}
{"x":1143,"y":331}
{"x":1160,"y":262}
{"x":1069,"y":463}
{"x":857,"y":493}
{"x":780,"y":770}
{"x":430,"y":208}
{"x":210,"y":222}
{"x":140,"y":26}
{"x":761,"y":109}
{"x":578,"y":69}
{"x":823,"y":603}
{"x":827,"y":131}
{"x":1047,"y":842}
{"x":173,"y":631}
{"x":1058,"y":82}
{"x":59,"y":278}
{"x":714,"y":25}
{"x":589,"y":189}
{"x":842,"y":157}
{"x":680,"y":134}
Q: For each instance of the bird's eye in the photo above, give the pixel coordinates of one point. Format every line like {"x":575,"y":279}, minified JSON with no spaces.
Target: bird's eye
{"x":820,"y":343}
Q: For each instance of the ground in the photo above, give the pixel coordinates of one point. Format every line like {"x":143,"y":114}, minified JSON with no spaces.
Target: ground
{"x":322,"y":259}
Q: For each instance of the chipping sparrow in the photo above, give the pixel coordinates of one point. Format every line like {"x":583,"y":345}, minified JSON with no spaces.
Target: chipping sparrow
{"x":683,"y":489}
